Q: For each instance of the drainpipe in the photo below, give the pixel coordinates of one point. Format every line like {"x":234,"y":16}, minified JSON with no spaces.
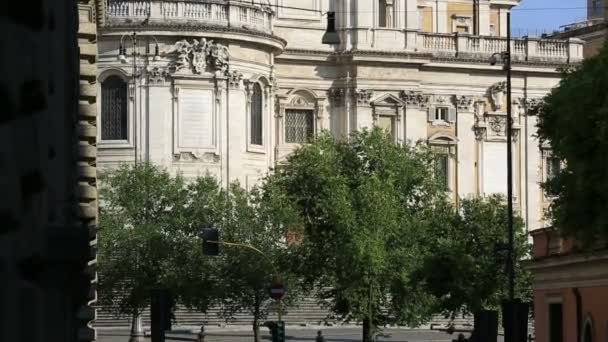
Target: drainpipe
{"x":577,"y":296}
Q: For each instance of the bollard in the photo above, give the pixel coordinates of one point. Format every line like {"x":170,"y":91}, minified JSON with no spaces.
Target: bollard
{"x":200,"y":337}
{"x":320,"y":337}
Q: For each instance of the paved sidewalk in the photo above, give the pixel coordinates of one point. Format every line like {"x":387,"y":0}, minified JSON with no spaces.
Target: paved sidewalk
{"x":294,"y":333}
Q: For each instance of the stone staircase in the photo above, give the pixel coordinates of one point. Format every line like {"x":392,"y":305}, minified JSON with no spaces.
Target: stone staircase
{"x":305,"y":312}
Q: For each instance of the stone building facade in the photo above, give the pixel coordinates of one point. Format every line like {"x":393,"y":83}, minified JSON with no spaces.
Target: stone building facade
{"x":592,"y":30}
{"x":237,"y":85}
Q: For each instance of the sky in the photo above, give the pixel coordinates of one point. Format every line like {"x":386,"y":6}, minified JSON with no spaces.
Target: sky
{"x":554,"y":13}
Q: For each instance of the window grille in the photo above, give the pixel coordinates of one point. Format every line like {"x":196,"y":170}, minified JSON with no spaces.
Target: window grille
{"x":256,"y":115}
{"x":298,"y":126}
{"x":553,"y":167}
{"x":114,"y":109}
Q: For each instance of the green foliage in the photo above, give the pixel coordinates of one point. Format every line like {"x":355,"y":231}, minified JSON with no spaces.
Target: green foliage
{"x":464,"y":267}
{"x":360,"y":203}
{"x":138,"y":216}
{"x":574,"y":120}
{"x":238,"y":280}
{"x":381,"y":234}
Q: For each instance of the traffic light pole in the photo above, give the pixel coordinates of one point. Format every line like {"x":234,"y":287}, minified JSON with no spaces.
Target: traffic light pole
{"x":275,"y":270}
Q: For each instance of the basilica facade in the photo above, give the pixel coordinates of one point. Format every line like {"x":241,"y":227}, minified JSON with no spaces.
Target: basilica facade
{"x":231,"y":88}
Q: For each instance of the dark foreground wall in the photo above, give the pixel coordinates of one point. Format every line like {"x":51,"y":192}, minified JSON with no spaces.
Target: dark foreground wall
{"x":47,"y":170}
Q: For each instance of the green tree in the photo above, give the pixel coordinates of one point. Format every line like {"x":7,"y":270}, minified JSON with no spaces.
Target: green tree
{"x":574,"y":121}
{"x":360,"y":202}
{"x":140,"y":209}
{"x":238,"y":280}
{"x":464,"y":264}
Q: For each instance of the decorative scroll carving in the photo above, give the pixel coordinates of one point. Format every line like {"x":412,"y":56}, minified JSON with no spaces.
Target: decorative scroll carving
{"x":415,"y":99}
{"x":464,"y":103}
{"x":532,"y":106}
{"x":336,"y":96}
{"x":157,"y":75}
{"x":440,"y":99}
{"x":498,"y":124}
{"x":192,"y":156}
{"x":299,"y":101}
{"x":363,"y":96}
{"x":234,"y":79}
{"x":197,"y":55}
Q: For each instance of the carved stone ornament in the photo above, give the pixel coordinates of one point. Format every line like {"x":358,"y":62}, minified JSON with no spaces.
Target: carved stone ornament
{"x":197,"y":55}
{"x":234,"y":78}
{"x":157,"y":75}
{"x":497,"y":92}
{"x":440,"y":99}
{"x":480,"y":132}
{"x":299,"y":101}
{"x":363,"y":96}
{"x":336,"y":95}
{"x":415,"y":99}
{"x":464,"y":103}
{"x":532,"y":106}
{"x":193,"y":156}
{"x":498,"y":124}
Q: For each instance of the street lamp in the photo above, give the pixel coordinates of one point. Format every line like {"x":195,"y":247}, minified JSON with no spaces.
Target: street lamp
{"x":514,"y":312}
{"x":122,"y":57}
{"x":331,"y":37}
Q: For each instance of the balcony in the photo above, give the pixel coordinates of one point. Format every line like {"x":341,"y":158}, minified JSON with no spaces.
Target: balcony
{"x":179,"y":13}
{"x":470,"y":47}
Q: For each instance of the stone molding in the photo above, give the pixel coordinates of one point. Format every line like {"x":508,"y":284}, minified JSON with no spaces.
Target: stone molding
{"x":416,"y":99}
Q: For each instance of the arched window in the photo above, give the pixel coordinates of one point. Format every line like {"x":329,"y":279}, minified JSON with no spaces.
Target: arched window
{"x":114,"y":109}
{"x":444,"y":150}
{"x":256,"y":115}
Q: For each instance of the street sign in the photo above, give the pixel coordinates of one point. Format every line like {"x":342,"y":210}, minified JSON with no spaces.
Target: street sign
{"x":277,"y":291}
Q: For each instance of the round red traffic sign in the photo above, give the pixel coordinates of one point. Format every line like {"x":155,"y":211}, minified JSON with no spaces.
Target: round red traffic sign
{"x":277,"y":291}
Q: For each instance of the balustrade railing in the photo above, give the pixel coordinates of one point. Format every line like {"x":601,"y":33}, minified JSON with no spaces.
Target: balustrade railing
{"x":438,"y":42}
{"x":234,"y":14}
{"x":568,"y":50}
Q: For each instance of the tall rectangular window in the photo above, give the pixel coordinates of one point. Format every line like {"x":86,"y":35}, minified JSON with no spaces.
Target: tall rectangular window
{"x":299,"y":125}
{"x":256,"y":137}
{"x":114,"y":109}
{"x":442,"y":171}
{"x":387,"y":123}
{"x":382,"y":20}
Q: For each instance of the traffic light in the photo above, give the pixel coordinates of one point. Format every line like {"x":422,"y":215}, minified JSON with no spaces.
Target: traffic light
{"x":211,"y":237}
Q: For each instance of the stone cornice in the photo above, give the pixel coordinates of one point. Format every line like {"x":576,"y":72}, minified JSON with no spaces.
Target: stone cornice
{"x":110,"y":26}
{"x":420,"y":55}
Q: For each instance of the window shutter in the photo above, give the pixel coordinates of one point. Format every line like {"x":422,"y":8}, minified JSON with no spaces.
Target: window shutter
{"x":452,"y":115}
{"x":431,"y":114}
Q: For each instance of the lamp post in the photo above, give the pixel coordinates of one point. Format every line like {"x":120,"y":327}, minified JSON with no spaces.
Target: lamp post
{"x":122,"y":57}
{"x":512,"y":308}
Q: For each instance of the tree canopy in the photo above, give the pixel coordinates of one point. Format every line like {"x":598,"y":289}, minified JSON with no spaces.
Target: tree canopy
{"x":574,"y":121}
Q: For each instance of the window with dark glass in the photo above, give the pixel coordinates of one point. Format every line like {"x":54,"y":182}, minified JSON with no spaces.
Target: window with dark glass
{"x":298,"y":125}
{"x":114,"y":109}
{"x":442,"y":175}
{"x":382,"y":22}
{"x":256,"y":115}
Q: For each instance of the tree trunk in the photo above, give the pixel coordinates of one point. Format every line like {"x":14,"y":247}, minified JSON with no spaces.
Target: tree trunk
{"x":256,"y":330}
{"x":368,"y":330}
{"x":256,"y":322}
